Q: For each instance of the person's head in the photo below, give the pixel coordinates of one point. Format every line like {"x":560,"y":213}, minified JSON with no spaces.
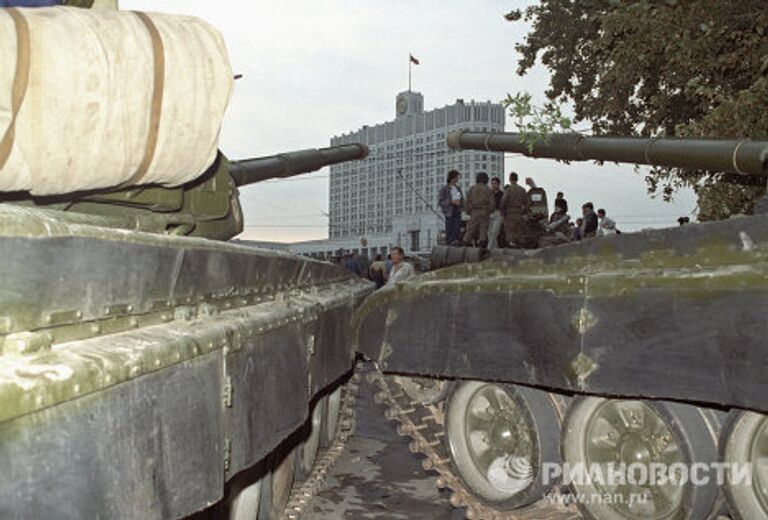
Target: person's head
{"x":579,"y":221}
{"x":378,"y":258}
{"x":453,"y":177}
{"x":683,"y":221}
{"x":481,"y":178}
{"x":601,"y":213}
{"x":559,"y":195}
{"x":397,"y":254}
{"x":513,"y":177}
{"x":587,"y":208}
{"x":495,"y":184}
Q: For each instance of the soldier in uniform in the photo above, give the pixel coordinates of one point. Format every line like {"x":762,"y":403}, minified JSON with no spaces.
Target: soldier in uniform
{"x":480,"y":204}
{"x":515,"y":206}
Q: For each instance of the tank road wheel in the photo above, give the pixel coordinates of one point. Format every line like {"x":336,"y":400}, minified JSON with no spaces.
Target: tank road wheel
{"x":745,"y":444}
{"x":276,"y":488}
{"x":655,"y":445}
{"x":332,"y":409}
{"x":425,"y":390}
{"x":307,"y":450}
{"x":498,"y":438}
{"x":245,"y":504}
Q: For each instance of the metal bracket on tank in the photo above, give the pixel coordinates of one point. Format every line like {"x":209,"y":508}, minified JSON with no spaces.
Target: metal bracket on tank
{"x":227,"y":392}
{"x":22,"y":343}
{"x":227,"y":454}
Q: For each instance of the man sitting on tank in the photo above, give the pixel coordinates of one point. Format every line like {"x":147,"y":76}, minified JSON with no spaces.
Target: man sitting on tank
{"x":589,"y":222}
{"x":607,"y":225}
{"x":560,"y":202}
{"x":558,"y":230}
{"x":576,"y":229}
{"x":400,"y":268}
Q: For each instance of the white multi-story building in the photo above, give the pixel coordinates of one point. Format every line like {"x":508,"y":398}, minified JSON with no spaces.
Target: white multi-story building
{"x":390,"y":198}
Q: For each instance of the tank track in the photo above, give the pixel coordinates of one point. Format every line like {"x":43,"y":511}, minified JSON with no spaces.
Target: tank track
{"x":424,"y":425}
{"x":303,"y":493}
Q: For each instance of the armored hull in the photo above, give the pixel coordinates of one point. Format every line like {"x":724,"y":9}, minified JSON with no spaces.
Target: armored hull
{"x":139,"y":373}
{"x":515,"y":367}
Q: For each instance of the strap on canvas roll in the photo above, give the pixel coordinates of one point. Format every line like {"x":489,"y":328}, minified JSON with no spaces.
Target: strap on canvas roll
{"x":20,"y":81}
{"x":158,"y":87}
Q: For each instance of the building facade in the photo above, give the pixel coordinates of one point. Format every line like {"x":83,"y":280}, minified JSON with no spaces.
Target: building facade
{"x":390,"y":198}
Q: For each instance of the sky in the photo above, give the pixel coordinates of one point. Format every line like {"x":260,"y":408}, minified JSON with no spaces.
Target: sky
{"x":313,"y":69}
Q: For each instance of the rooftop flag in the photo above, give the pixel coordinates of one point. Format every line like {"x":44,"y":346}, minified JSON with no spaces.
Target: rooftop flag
{"x":411,"y":60}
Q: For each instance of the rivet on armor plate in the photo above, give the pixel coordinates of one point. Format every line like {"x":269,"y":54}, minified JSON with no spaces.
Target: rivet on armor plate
{"x":583,"y":320}
{"x":583,"y":367}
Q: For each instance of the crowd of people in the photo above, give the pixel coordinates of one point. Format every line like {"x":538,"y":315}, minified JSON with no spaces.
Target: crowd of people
{"x":515,"y":211}
{"x":497,"y":218}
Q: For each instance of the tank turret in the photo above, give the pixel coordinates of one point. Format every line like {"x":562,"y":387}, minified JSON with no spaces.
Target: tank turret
{"x":743,"y":157}
{"x":207,"y":207}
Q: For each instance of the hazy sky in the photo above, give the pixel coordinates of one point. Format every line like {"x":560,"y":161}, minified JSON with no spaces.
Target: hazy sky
{"x":316,"y":68}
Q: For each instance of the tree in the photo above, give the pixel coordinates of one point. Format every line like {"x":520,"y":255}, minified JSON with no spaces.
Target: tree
{"x":660,"y":68}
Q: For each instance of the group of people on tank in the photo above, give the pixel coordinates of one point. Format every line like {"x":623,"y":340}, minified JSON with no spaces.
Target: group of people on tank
{"x":503,"y":217}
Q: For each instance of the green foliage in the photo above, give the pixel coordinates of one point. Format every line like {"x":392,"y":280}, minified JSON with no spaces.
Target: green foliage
{"x":659,"y":68}
{"x":534,"y":124}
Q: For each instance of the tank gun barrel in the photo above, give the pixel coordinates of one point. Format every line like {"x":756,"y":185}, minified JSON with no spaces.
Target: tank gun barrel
{"x":742,"y":157}
{"x":289,"y":164}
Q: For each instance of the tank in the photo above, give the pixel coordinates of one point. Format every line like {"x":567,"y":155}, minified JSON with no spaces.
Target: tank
{"x":591,"y":379}
{"x":151,"y":368}
{"x":146,"y":369}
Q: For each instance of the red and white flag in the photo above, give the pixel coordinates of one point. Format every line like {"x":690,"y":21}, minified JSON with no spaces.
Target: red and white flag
{"x":413,"y":60}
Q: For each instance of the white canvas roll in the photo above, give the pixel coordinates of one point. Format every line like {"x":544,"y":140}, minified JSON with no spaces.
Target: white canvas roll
{"x":105,"y":4}
{"x":95,"y":79}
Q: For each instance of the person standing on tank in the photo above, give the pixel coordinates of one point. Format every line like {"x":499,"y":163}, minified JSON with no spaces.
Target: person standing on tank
{"x":480,"y":205}
{"x":451,"y":201}
{"x":494,"y":224}
{"x":515,"y":206}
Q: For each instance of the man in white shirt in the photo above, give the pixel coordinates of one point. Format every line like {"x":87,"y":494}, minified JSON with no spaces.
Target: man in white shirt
{"x":607,"y":225}
{"x":400,"y":269}
{"x":495,"y":224}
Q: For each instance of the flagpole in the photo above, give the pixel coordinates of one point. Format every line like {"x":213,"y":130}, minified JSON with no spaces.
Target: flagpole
{"x":410,"y":64}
